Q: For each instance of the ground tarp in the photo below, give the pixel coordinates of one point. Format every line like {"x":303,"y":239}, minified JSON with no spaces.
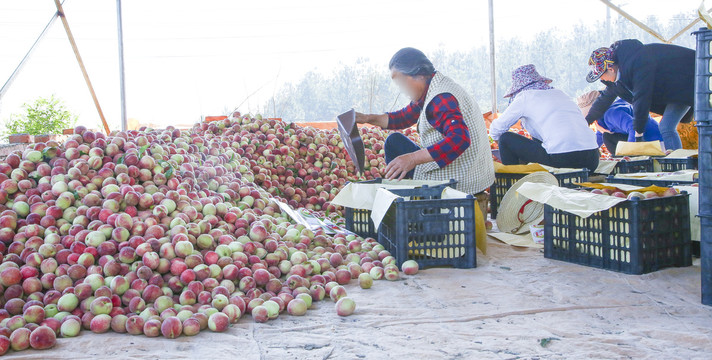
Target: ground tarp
{"x":500,"y":310}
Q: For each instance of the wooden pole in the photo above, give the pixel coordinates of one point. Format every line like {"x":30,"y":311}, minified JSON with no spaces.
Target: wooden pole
{"x":635,"y":21}
{"x":60,"y":12}
{"x":684,"y":30}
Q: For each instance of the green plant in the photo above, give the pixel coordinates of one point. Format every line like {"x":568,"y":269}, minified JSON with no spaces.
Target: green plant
{"x":43,"y":116}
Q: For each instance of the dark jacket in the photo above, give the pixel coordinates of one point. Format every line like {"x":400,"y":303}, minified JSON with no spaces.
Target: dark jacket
{"x":650,"y":77}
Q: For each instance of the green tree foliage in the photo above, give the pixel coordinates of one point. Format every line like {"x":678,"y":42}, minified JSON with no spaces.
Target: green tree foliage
{"x":43,"y":116}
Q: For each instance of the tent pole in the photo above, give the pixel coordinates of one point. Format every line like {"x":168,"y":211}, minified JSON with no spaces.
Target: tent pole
{"x":60,"y":12}
{"x":9,"y":81}
{"x":635,"y":21}
{"x":492,"y":58}
{"x":122,"y":81}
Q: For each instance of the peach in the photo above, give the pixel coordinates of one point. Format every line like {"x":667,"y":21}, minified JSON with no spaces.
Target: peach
{"x":152,"y":328}
{"x":409,"y":267}
{"x":70,"y":328}
{"x":345,"y":306}
{"x":297,"y":307}
{"x":191,"y":326}
{"x":42,"y":338}
{"x":218,"y":322}
{"x":171,"y":327}
{"x":365,"y":281}
{"x":134,"y":325}
{"x":20,"y":339}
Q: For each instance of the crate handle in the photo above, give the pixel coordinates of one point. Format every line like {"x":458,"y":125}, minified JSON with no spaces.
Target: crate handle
{"x":442,"y":211}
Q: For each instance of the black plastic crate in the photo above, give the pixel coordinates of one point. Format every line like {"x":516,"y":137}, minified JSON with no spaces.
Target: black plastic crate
{"x":633,"y":237}
{"x":432,"y":231}
{"x":633,"y":166}
{"x":646,"y":182}
{"x":359,"y":220}
{"x":670,"y":165}
{"x":504,"y":181}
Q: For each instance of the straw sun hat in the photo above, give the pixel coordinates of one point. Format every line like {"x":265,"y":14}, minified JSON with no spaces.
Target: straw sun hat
{"x":517,"y":212}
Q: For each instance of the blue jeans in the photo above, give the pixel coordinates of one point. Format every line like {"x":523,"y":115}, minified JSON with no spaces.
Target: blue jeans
{"x":668,"y":125}
{"x":398,"y":144}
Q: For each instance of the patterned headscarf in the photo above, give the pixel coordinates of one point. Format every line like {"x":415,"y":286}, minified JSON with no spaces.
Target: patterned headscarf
{"x":599,"y":61}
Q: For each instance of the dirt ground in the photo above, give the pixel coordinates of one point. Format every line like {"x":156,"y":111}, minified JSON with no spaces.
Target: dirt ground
{"x":515,"y":305}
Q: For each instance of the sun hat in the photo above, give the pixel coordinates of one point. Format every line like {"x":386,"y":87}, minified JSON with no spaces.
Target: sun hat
{"x":599,"y":61}
{"x":525,"y":76}
{"x":586,"y":100}
{"x":516,"y":212}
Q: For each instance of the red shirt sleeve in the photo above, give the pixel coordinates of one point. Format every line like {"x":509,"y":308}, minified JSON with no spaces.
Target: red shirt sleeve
{"x":405,"y":117}
{"x":443,"y":113}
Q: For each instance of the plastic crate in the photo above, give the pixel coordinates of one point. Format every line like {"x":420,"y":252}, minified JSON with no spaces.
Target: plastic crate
{"x":432,"y":231}
{"x":670,"y":165}
{"x":633,"y":166}
{"x":646,"y":182}
{"x":633,"y":237}
{"x":359,"y":220}
{"x":504,"y":181}
{"x":703,"y":116}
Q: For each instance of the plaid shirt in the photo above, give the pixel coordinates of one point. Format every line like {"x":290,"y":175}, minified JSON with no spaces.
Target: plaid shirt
{"x":443,"y":113}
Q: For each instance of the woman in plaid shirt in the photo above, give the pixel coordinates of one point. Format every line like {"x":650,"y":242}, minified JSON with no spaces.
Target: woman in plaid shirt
{"x":453,"y":132}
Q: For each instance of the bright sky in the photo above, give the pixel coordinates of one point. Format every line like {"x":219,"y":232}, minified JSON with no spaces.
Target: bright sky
{"x":187,"y":59}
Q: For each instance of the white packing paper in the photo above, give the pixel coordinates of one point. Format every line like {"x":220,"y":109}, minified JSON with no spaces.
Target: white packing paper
{"x":580,"y":203}
{"x":297,"y":216}
{"x":606,"y":166}
{"x":682,"y":154}
{"x":361,"y":196}
{"x":694,"y":192}
{"x":516,"y":240}
{"x":682,"y":175}
{"x":381,"y":204}
{"x":554,"y":170}
{"x":624,"y":187}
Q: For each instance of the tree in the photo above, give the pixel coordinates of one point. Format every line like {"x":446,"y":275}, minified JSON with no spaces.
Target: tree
{"x":43,"y":116}
{"x":561,"y":56}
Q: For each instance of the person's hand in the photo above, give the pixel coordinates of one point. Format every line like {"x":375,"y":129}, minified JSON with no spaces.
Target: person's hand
{"x":601,"y":128}
{"x":399,"y":167}
{"x":362,"y":118}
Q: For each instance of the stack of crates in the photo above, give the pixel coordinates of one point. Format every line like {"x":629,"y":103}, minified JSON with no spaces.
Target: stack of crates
{"x":703,"y":116}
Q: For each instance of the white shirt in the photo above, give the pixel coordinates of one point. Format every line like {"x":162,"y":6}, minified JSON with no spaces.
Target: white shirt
{"x":550,"y":116}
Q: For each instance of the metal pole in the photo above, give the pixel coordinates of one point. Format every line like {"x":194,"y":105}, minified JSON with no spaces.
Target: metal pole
{"x":492,"y":62}
{"x":9,"y":81}
{"x":122,"y":81}
{"x":608,"y":24}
